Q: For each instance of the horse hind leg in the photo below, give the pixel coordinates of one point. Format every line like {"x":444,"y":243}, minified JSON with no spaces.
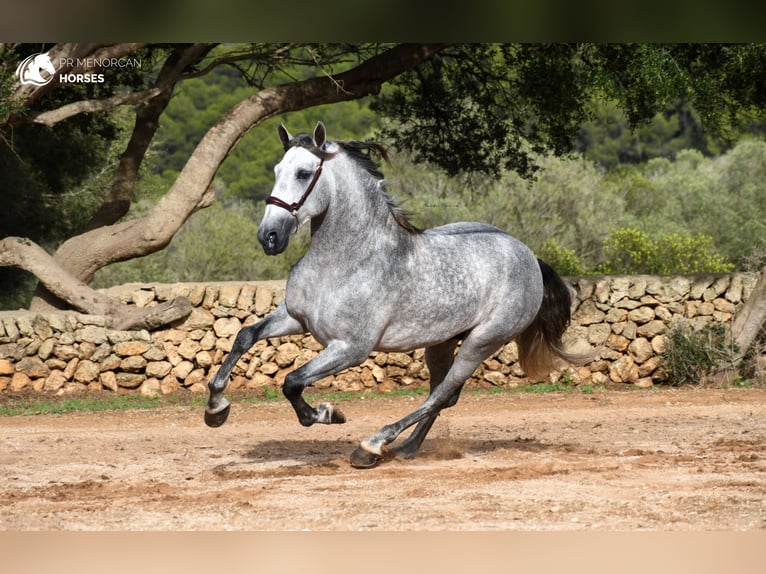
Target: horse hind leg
{"x":473,"y":351}
{"x":439,"y":359}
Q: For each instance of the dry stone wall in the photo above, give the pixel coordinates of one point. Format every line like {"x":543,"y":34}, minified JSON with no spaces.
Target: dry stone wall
{"x":624,"y":320}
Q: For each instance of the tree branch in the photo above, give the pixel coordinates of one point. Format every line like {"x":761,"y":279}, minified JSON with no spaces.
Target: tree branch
{"x":27,"y":255}
{"x":52,"y":117}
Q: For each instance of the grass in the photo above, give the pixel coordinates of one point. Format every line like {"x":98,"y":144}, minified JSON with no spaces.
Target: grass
{"x":104,"y":401}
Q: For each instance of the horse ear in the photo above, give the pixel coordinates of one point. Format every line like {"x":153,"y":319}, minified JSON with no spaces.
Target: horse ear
{"x":319,"y":135}
{"x":284,"y":136}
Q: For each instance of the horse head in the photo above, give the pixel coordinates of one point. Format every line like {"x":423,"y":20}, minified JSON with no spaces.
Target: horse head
{"x":291,"y":203}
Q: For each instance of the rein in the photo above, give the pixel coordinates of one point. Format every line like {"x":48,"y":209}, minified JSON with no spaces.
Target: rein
{"x":296,"y":205}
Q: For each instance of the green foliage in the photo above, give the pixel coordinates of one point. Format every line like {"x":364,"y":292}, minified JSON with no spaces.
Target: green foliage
{"x":690,"y":356}
{"x":216,"y":244}
{"x":563,"y":260}
{"x":630,"y":251}
{"x":247,"y":174}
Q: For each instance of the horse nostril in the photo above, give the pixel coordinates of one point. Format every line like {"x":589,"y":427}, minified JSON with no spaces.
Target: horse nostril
{"x":271,"y":238}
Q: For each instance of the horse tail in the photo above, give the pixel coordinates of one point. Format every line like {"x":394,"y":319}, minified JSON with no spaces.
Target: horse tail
{"x":540,"y":346}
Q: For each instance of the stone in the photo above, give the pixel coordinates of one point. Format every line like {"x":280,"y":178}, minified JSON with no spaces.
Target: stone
{"x":286,"y":354}
{"x":723,"y":305}
{"x":87,"y":371}
{"x":641,"y":315}
{"x":598,"y":334}
{"x":34,"y":367}
{"x":649,"y":366}
{"x":142,"y":297}
{"x":6,"y":367}
{"x":131,"y":348}
{"x":150,"y":387}
{"x":169,"y":385}
{"x":227,"y":326}
{"x":41,"y":327}
{"x":199,"y":318}
{"x":246,"y":297}
{"x":616,"y":315}
{"x":203,"y":359}
{"x":108,"y":380}
{"x":66,"y":352}
{"x":130,"y":380}
{"x":92,"y":334}
{"x":71,"y":367}
{"x":495,"y":378}
{"x":264,"y":297}
{"x":651,"y":329}
{"x":587,"y":314}
{"x":734,"y":293}
{"x":182,"y":369}
{"x":19,"y":381}
{"x":196,"y":377}
{"x":87,"y":350}
{"x":640,"y":349}
{"x":111,"y":363}
{"x":54,"y":381}
{"x":399,"y":359}
{"x":101,"y":353}
{"x":158,"y":369}
{"x":228,"y":294}
{"x":188,"y":349}
{"x":154,"y":354}
{"x":659,"y":343}
{"x":623,"y":370}
{"x":135,"y":364}
{"x":617,"y":342}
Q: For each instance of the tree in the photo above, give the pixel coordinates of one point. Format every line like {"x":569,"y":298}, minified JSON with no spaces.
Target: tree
{"x":107,"y":239}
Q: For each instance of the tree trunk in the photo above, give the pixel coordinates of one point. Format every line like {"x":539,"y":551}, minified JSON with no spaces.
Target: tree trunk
{"x":23,"y":253}
{"x":751,"y":318}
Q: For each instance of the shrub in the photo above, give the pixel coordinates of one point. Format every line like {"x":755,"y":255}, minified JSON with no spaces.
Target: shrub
{"x":690,"y":356}
{"x":563,"y":260}
{"x":630,"y":251}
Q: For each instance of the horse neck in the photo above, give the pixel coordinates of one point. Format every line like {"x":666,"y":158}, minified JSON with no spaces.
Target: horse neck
{"x":358,"y":216}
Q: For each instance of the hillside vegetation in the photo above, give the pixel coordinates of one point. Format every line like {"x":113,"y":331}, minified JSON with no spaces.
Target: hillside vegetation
{"x":681,"y":211}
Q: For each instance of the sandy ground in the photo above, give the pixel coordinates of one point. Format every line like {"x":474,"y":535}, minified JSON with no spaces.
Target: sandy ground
{"x":667,"y":460}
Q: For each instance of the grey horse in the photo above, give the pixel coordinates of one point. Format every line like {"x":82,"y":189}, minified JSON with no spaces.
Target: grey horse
{"x":370,"y":280}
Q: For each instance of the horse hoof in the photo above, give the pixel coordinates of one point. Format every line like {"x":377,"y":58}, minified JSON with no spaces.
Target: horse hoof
{"x":328,"y":414}
{"x":361,"y":458}
{"x":214,"y":420}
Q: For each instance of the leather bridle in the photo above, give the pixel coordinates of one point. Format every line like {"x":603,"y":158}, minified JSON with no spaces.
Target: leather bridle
{"x":296,"y":205}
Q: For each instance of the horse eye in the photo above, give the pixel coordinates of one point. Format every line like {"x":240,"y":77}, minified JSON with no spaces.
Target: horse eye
{"x":303,"y":174}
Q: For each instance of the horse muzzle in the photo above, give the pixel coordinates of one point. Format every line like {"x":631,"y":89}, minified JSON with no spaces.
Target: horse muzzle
{"x":274,"y":238}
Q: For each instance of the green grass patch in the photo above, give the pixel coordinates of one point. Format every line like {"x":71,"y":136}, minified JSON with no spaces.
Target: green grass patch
{"x":98,"y":402}
{"x":58,"y":406}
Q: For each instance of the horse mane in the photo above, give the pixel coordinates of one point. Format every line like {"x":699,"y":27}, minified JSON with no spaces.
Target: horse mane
{"x":362,"y":153}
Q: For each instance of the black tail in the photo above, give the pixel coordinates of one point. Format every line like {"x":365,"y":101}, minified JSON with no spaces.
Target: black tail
{"x":540,"y":346}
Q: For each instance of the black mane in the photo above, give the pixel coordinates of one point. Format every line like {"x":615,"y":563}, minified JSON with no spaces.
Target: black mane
{"x":362,"y":153}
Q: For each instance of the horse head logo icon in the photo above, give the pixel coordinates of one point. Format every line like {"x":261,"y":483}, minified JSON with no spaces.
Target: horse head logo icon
{"x":36,"y":70}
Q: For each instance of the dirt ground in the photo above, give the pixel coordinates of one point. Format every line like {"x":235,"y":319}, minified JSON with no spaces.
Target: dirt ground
{"x":669,"y":460}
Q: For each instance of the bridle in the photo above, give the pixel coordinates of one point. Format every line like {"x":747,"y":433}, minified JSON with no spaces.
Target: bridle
{"x":296,"y":205}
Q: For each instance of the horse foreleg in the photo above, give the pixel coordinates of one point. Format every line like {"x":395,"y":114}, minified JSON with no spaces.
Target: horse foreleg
{"x":276,"y":324}
{"x":336,"y":357}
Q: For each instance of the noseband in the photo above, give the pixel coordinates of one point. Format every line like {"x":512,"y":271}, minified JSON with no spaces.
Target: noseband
{"x":296,"y":205}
